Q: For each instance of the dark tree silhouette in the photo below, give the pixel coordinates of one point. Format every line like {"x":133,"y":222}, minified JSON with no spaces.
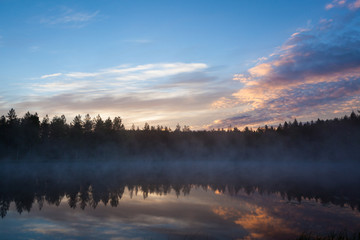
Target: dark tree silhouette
{"x":58,"y":127}
{"x":45,"y":128}
{"x":118,"y":125}
{"x":26,"y":138}
{"x":146,"y":127}
{"x":99,"y":124}
{"x":108,"y":125}
{"x":88,"y":123}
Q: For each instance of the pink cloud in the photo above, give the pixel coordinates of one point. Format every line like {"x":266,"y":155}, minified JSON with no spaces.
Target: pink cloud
{"x":353,"y":5}
{"x":317,"y":71}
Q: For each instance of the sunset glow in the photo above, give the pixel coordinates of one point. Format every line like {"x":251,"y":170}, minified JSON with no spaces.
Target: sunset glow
{"x":215,"y":67}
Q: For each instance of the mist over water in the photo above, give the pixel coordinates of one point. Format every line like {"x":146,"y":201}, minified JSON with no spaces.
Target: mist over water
{"x":180,"y":120}
{"x":176,"y":200}
{"x":95,"y":179}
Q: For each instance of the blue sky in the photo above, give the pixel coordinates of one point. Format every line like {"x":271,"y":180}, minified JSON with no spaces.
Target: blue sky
{"x":201,"y":63}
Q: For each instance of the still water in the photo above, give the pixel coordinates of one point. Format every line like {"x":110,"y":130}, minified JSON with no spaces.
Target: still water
{"x":177,"y":201}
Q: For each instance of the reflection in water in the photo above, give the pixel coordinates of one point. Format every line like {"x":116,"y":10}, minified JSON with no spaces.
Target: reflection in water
{"x":177,"y":200}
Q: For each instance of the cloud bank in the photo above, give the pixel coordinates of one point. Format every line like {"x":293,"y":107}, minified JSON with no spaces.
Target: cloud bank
{"x":316,"y":72}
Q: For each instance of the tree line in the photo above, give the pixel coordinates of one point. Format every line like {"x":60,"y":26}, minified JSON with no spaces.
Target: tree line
{"x":28,"y":138}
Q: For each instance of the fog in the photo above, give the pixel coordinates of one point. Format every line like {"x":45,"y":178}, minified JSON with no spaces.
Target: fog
{"x":92,"y":163}
{"x":23,"y":183}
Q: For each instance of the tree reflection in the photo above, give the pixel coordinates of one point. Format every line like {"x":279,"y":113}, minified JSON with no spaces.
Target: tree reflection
{"x":108,"y":186}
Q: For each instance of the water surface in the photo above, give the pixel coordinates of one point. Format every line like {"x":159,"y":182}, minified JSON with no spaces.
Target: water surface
{"x":218,"y":200}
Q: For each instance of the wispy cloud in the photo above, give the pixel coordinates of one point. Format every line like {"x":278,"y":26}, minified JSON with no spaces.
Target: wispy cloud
{"x":316,"y":71}
{"x":51,"y":75}
{"x":118,"y":76}
{"x":335,"y":3}
{"x":160,"y":93}
{"x":57,"y":86}
{"x":353,"y":5}
{"x":69,"y":17}
{"x":49,"y":229}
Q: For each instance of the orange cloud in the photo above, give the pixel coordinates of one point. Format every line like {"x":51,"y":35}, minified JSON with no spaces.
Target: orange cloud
{"x":260,"y":70}
{"x":258,"y":222}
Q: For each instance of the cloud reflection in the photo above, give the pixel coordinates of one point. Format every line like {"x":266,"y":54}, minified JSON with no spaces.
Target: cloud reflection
{"x":175,"y":201}
{"x":202,"y":214}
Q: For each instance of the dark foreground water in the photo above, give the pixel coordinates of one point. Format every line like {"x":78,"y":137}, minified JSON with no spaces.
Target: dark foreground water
{"x":201,"y":200}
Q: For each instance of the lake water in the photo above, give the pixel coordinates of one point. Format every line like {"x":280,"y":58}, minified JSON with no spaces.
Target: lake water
{"x":201,"y":200}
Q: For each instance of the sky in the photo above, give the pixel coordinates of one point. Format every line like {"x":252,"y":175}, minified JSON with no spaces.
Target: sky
{"x":206,"y":64}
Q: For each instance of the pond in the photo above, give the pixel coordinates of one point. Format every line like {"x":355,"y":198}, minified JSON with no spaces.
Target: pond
{"x":182,"y":200}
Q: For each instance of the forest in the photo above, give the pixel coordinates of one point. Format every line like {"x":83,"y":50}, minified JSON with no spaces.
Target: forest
{"x":94,"y":139}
